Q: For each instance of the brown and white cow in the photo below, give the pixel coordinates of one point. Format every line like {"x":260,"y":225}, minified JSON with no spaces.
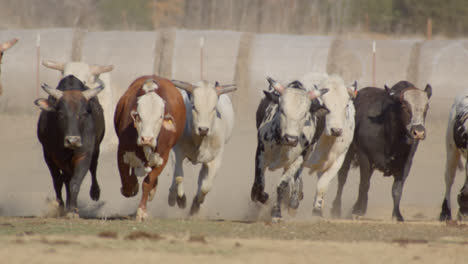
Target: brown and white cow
{"x":149,"y":119}
{"x":3,"y":47}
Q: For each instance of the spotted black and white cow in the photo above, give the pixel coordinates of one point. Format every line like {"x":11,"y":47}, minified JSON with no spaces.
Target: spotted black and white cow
{"x":329,"y":153}
{"x":456,"y":143}
{"x":286,"y":125}
{"x":208,"y":127}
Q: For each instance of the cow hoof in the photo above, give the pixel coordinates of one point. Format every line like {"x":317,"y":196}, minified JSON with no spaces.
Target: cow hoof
{"x":398,"y":218}
{"x":276,"y":212}
{"x":95,"y":192}
{"x":292,"y":211}
{"x":445,"y":217}
{"x":141,"y":215}
{"x":356,"y":217}
{"x":182,"y":202}
{"x":195,"y":207}
{"x":171,"y":198}
{"x":130,"y":193}
{"x":317,"y":212}
{"x":462,"y":217}
{"x":72,"y":215}
{"x":151,"y":194}
{"x":261,"y":196}
{"x":276,"y":220}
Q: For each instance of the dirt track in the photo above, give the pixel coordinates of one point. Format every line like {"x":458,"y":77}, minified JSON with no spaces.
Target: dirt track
{"x":40,"y":240}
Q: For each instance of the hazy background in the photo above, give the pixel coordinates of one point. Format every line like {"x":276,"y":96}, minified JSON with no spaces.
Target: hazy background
{"x":245,"y":41}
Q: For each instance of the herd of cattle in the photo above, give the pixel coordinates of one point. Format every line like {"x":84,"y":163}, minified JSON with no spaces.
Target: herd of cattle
{"x":314,"y":122}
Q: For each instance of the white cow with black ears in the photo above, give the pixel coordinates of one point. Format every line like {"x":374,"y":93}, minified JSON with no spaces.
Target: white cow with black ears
{"x":329,"y":153}
{"x":208,"y":126}
{"x":92,"y":76}
{"x":287,"y":121}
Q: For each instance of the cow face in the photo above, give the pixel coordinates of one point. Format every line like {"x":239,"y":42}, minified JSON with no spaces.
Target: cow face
{"x":338,"y":100}
{"x":204,"y":96}
{"x":414,"y":105}
{"x":294,"y":105}
{"x":149,"y":115}
{"x":3,"y":48}
{"x":73,"y":112}
{"x":88,"y":74}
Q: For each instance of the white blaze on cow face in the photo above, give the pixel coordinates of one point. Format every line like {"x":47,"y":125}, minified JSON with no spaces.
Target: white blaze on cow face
{"x":149,"y":116}
{"x":294,"y":108}
{"x":337,"y":100}
{"x":415,"y":104}
{"x":204,"y":101}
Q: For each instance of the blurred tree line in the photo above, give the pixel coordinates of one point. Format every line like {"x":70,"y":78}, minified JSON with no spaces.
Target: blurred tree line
{"x":449,"y":17}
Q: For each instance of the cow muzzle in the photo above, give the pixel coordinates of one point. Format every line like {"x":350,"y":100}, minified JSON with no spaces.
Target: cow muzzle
{"x":72,"y":142}
{"x":418,"y":132}
{"x":290,"y":140}
{"x":336,"y":132}
{"x":147,"y":141}
{"x":203,"y":131}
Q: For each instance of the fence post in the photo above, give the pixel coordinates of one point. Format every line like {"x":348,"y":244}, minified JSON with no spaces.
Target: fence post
{"x":429,"y":29}
{"x":373,"y":62}
{"x":38,"y":63}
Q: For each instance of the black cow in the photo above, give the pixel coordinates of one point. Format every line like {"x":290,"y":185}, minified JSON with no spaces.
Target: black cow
{"x":70,"y":129}
{"x":389,"y":125}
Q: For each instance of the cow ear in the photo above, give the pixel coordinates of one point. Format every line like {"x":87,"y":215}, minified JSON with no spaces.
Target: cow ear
{"x":169,"y":123}
{"x":135,"y":116}
{"x":395,"y":96}
{"x":322,"y":111}
{"x":44,"y":104}
{"x":272,"y":97}
{"x":428,"y":90}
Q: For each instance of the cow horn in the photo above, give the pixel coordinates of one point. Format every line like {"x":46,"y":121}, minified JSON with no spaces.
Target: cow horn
{"x":59,"y":66}
{"x":183,"y":85}
{"x":352,"y":90}
{"x":276,"y":85}
{"x":90,"y":93}
{"x":227,"y":88}
{"x":57,"y":94}
{"x":8,"y":44}
{"x":98,"y":69}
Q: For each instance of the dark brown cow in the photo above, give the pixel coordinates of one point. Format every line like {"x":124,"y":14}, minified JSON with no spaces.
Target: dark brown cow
{"x":3,"y":48}
{"x":149,"y":119}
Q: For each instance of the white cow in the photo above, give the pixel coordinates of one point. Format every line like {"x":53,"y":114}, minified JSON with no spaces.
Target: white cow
{"x":286,"y":132}
{"x":3,"y":47}
{"x":208,"y":126}
{"x":328,"y":155}
{"x":92,"y":76}
{"x":456,"y":143}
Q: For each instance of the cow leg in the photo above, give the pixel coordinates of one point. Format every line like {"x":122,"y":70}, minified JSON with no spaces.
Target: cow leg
{"x":57,"y":179}
{"x":129,"y":180}
{"x":360,"y":207}
{"x":176,"y":191}
{"x":282,"y":188}
{"x":342,"y":177}
{"x":323,"y":183}
{"x":205,"y":182}
{"x":453,"y":157}
{"x":258,"y":188}
{"x":463,"y":198}
{"x":296,"y":192}
{"x":80,"y":169}
{"x":149,"y":183}
{"x":94,"y":191}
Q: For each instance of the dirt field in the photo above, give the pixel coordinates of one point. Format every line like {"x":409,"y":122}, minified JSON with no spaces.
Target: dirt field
{"x":41,"y":240}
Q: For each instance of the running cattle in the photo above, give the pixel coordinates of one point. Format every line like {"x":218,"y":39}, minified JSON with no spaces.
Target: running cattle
{"x":456,"y":142}
{"x":389,"y":125}
{"x":70,"y":129}
{"x":209,"y":124}
{"x":286,"y":124}
{"x":149,"y":119}
{"x":329,"y":153}
{"x":92,"y":76}
{"x":3,"y":47}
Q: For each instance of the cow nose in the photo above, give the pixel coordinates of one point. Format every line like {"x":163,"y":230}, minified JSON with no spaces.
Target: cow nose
{"x":73,"y":141}
{"x":291,"y":140}
{"x":336,"y":132}
{"x":146,"y":140}
{"x":418,"y":132}
{"x":203,"y":131}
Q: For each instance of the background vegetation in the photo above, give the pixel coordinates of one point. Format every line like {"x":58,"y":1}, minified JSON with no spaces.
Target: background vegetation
{"x":449,"y":17}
